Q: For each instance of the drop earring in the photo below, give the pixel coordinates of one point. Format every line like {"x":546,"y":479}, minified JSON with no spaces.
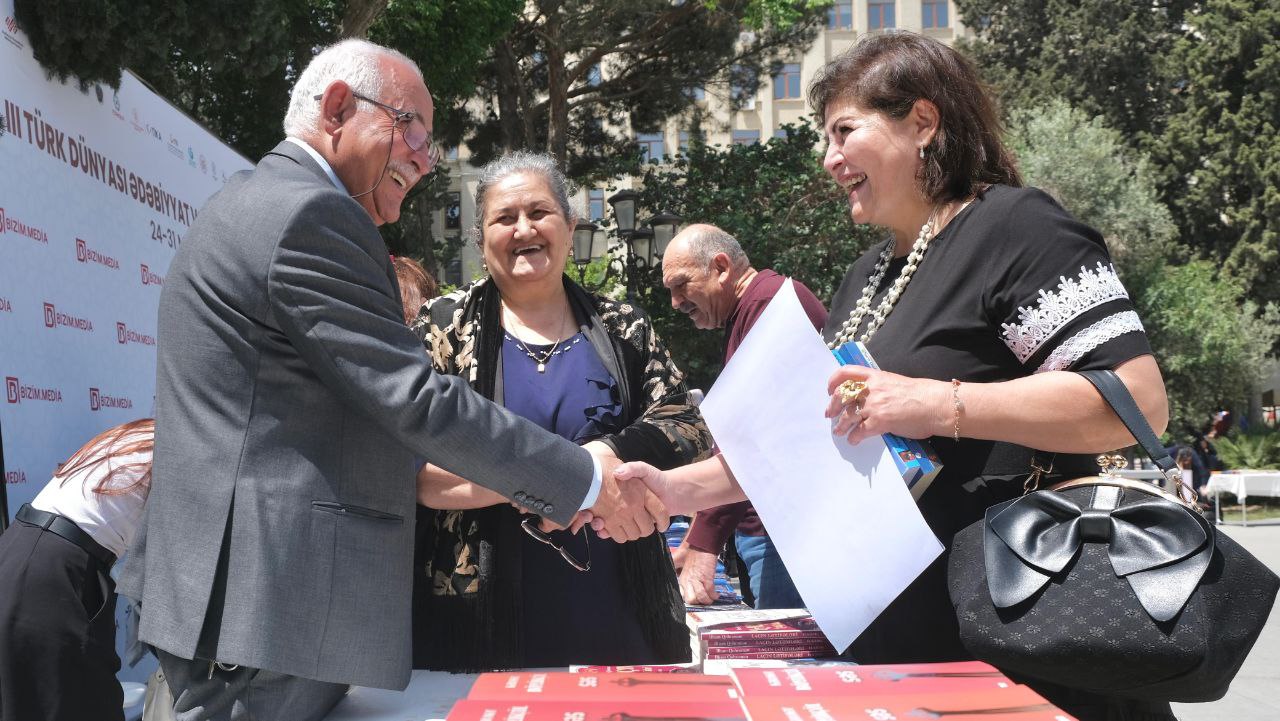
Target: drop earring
{"x":922,"y":152}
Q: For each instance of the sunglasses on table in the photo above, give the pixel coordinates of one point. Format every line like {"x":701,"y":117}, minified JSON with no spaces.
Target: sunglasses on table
{"x":530,"y":526}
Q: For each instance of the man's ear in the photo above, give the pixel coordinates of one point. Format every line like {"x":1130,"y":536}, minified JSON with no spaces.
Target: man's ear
{"x":925,"y":121}
{"x":721,"y":265}
{"x":337,"y":105}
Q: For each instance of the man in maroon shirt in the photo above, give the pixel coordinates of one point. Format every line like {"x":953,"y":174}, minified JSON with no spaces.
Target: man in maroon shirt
{"x":712,"y":281}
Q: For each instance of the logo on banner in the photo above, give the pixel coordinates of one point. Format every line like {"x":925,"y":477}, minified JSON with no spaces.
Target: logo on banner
{"x":54,"y":319}
{"x":191,"y":156}
{"x":5,"y":307}
{"x":85,"y":254}
{"x":10,"y":224}
{"x":15,"y":477}
{"x":16,"y":392}
{"x":149,"y":278}
{"x":137,"y":121}
{"x":99,"y":400}
{"x":125,"y":336}
{"x":204,"y":165}
{"x":174,"y":147}
{"x":11,"y":32}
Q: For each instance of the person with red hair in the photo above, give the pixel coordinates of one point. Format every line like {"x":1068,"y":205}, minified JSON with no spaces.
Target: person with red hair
{"x":57,"y":599}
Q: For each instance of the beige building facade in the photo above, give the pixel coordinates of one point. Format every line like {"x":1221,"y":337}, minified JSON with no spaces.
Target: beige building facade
{"x":778,"y":102}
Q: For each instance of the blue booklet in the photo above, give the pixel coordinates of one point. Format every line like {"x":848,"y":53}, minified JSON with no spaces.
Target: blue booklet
{"x":915,"y":459}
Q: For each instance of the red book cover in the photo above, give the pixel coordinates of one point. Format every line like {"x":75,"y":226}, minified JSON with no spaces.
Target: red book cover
{"x":653,"y":710}
{"x":714,"y":653}
{"x":1018,"y":703}
{"x":526,"y":686}
{"x":887,"y":680}
{"x":799,"y":627}
{"x":764,"y":643}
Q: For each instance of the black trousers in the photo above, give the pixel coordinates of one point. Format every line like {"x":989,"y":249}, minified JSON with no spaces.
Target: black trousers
{"x":57,"y":631}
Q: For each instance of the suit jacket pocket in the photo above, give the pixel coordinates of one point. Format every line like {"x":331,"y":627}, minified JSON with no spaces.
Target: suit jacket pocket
{"x":360,"y":511}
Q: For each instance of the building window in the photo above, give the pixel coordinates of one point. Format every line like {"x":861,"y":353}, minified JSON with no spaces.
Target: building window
{"x":698,"y":93}
{"x":651,"y":150}
{"x":593,"y":75}
{"x":451,"y":153}
{"x":686,"y":137}
{"x":595,"y":204}
{"x":786,"y":84}
{"x":742,"y":80}
{"x":453,"y":211}
{"x":746,"y":137}
{"x":880,"y":14}
{"x":453,"y":271}
{"x":840,"y":15}
{"x":934,"y":13}
{"x":781,"y":134}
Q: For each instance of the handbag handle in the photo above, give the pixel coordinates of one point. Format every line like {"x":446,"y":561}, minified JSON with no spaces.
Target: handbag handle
{"x":1121,"y":401}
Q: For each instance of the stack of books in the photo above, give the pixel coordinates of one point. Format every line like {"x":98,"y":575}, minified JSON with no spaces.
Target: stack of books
{"x":962,"y":691}
{"x":556,"y":696}
{"x":966,"y":691}
{"x":916,"y":460}
{"x":776,"y":634}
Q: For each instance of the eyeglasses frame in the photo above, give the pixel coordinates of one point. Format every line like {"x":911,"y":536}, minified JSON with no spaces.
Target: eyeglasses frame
{"x":529,"y":526}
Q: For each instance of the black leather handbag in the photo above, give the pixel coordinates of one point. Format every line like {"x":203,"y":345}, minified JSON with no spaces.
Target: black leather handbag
{"x":1110,"y":585}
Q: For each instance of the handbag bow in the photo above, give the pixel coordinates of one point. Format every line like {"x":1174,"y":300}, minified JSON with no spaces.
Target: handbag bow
{"x":1159,"y":547}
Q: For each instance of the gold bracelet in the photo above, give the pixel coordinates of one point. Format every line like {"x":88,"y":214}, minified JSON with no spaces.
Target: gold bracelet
{"x":958,"y":405}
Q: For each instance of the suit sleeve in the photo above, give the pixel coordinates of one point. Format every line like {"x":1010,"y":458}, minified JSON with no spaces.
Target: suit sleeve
{"x":331,"y":294}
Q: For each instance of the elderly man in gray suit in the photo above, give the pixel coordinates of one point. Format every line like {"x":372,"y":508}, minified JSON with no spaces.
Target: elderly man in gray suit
{"x":274,"y":563}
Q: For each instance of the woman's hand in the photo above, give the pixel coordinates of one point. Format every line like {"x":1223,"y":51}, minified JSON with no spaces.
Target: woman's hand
{"x":889,"y":403}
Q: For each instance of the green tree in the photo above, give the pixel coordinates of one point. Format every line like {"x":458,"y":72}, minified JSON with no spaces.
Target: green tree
{"x":777,"y":201}
{"x":575,"y":77}
{"x":1220,"y":153}
{"x":1208,"y":339}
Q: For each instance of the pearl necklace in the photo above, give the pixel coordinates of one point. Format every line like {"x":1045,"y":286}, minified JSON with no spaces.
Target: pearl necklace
{"x":850,"y":326}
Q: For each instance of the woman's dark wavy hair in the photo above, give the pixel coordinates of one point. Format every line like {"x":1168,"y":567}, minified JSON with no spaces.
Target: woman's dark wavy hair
{"x":889,"y":72}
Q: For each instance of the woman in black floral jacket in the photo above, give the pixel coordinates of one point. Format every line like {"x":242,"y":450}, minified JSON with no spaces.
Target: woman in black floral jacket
{"x":491,"y":591}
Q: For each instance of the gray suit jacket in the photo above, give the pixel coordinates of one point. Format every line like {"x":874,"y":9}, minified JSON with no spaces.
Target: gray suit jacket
{"x":290,"y":401}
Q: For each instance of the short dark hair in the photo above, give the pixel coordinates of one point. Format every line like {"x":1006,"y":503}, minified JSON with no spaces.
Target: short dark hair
{"x":889,"y":72}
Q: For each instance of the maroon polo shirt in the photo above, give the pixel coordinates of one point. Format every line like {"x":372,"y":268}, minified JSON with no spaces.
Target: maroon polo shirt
{"x":713,"y":527}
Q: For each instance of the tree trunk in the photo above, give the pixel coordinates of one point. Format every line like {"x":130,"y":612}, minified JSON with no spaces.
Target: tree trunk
{"x":557,"y":84}
{"x":360,"y":16}
{"x":510,"y":91}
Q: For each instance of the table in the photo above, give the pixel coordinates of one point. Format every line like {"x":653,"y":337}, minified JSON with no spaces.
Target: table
{"x":1243,"y":484}
{"x":429,"y":696}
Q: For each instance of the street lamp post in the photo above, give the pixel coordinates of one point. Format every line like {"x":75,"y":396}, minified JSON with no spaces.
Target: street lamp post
{"x":642,"y":245}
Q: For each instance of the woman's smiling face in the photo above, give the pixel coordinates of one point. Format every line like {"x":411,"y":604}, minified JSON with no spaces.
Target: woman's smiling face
{"x":876,"y":160}
{"x":526,"y":236}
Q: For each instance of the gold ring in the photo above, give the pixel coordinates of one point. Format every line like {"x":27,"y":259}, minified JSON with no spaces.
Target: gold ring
{"x":849,"y":391}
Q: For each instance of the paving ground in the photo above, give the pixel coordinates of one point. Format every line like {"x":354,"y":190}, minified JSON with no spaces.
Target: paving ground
{"x":1255,"y":694}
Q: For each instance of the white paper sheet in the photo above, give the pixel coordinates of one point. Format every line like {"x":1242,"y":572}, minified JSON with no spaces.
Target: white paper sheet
{"x":840,"y":516}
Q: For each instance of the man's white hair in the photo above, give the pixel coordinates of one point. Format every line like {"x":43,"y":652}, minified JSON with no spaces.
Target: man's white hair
{"x":357,"y":62}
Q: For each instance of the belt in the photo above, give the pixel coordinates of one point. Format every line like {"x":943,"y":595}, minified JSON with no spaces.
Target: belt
{"x":68,"y":529}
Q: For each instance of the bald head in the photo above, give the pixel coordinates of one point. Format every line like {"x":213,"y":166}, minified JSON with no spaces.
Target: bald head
{"x":704,"y":267}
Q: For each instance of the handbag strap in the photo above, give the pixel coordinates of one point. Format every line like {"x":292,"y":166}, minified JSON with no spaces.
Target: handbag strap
{"x":1121,"y":401}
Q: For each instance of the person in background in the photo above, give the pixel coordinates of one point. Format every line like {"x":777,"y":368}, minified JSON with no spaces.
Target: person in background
{"x":57,"y":600}
{"x":492,"y":590}
{"x":980,"y":304}
{"x":416,"y":285}
{"x":712,"y":281}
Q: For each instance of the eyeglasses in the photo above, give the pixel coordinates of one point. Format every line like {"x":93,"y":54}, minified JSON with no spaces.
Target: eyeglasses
{"x":529,"y":526}
{"x":410,"y":125}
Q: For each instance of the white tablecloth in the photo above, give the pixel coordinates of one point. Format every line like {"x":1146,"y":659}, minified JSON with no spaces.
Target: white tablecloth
{"x":430,"y":696}
{"x":1246,"y":483}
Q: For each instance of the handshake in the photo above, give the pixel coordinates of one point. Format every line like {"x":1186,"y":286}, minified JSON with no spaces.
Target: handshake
{"x":636,"y":499}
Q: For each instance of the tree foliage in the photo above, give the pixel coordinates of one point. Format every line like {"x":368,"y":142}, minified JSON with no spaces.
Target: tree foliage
{"x":577,"y":77}
{"x":1191,"y":82}
{"x":1209,"y":340}
{"x":777,"y":201}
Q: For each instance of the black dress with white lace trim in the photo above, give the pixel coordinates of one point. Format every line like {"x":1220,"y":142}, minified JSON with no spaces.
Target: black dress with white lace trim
{"x":1011,"y":287}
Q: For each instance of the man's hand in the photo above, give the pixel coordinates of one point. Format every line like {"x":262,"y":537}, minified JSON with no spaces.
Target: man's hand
{"x":698,"y":577}
{"x":681,"y":552}
{"x":625,"y":509}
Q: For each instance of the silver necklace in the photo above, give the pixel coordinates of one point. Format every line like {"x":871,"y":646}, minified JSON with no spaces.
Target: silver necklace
{"x":540,"y":359}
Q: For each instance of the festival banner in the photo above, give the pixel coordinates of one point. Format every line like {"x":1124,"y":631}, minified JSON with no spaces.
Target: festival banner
{"x":98,"y":187}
